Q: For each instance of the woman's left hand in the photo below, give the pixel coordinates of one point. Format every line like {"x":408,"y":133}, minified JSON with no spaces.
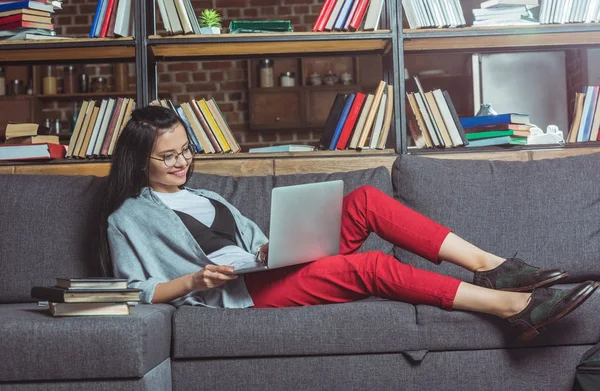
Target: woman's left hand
{"x":263,"y":253}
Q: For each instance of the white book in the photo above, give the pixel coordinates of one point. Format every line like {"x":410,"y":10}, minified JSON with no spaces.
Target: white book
{"x":447,"y":117}
{"x":173,"y":17}
{"x":334,"y":14}
{"x":427,"y":22}
{"x":587,"y":103}
{"x":595,"y":122}
{"x":163,"y":15}
{"x":186,"y":23}
{"x":373,"y":15}
{"x":110,"y":106}
{"x":565,"y":12}
{"x":499,"y":11}
{"x":428,"y":120}
{"x":410,"y":14}
{"x":460,"y":12}
{"x":96,"y":128}
{"x":123,"y":20}
{"x":377,"y":126}
{"x":420,"y":14}
{"x":193,"y":17}
{"x":437,"y":20}
{"x":502,"y":3}
{"x":362,"y":118}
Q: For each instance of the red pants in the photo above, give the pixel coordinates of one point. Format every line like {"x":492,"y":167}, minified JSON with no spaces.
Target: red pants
{"x":352,"y":276}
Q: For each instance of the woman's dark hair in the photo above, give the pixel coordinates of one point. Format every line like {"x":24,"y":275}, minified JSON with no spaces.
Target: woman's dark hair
{"x":130,"y":164}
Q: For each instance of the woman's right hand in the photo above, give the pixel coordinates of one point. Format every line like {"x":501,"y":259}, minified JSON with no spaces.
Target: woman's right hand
{"x":212,"y":276}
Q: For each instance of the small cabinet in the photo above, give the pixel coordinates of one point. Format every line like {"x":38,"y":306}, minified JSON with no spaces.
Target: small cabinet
{"x":21,"y":108}
{"x":307,"y":104}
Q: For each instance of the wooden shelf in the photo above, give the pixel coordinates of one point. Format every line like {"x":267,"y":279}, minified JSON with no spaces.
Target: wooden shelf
{"x":486,"y":39}
{"x":261,"y":45}
{"x":94,"y":95}
{"x":86,"y":50}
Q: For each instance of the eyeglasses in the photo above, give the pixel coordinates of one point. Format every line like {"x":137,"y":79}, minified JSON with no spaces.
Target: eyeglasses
{"x":170,"y":159}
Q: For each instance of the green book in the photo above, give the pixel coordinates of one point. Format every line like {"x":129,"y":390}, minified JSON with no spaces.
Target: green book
{"x":489,"y":134}
{"x":270,"y":25}
{"x":518,"y":140}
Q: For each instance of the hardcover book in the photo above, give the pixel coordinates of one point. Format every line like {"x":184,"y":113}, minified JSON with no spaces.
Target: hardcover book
{"x":61,"y":295}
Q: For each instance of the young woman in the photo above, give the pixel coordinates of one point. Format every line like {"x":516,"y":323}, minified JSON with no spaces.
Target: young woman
{"x":181,"y":245}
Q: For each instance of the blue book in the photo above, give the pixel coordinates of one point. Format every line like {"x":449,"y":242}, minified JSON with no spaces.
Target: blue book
{"x":34,"y":5}
{"x":188,"y":129}
{"x":283,"y":148}
{"x":341,"y":122}
{"x":484,"y":142}
{"x":589,"y":106}
{"x":100,"y":19}
{"x":340,"y":22}
{"x":486,"y":120}
{"x":96,"y":19}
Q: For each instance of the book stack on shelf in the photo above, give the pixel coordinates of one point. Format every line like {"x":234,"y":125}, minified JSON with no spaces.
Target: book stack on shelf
{"x":500,"y":129}
{"x":206,"y":125}
{"x":436,"y":124}
{"x":21,"y":141}
{"x":87,"y":296}
{"x":359,"y":121}
{"x":586,"y":116}
{"x":349,"y":15}
{"x":569,"y":11}
{"x":113,"y":18}
{"x":178,"y":17}
{"x":260,"y":26}
{"x":507,"y":13}
{"x":433,"y":13}
{"x":98,"y":126}
{"x":28,"y":19}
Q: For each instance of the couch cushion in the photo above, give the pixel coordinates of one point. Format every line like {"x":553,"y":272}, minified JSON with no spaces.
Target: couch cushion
{"x":441,"y":330}
{"x":361,"y":327}
{"x":377,"y":177}
{"x":48,"y":226}
{"x":42,"y":347}
{"x":548,"y":210}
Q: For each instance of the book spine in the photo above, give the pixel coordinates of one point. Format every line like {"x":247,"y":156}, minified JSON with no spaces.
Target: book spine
{"x":96,"y":19}
{"x":323,"y":16}
{"x":107,"y":17}
{"x":359,"y":99}
{"x":344,"y":12}
{"x":341,"y":121}
{"x":359,"y":15}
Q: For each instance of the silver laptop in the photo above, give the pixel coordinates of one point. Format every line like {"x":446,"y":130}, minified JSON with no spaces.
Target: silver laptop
{"x":306,"y":224}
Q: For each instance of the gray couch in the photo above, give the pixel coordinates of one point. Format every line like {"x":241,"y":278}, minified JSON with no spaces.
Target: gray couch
{"x":546,"y":210}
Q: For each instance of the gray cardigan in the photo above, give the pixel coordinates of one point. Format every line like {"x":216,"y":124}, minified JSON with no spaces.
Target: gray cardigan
{"x":149,"y":245}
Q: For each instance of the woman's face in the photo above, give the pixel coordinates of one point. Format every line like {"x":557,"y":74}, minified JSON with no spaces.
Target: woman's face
{"x":169,"y":148}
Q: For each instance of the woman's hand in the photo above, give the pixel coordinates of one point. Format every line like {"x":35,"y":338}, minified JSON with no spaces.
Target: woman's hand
{"x":212,"y":276}
{"x":263,"y":253}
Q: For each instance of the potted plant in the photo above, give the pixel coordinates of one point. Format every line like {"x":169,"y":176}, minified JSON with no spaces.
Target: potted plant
{"x":210,"y":22}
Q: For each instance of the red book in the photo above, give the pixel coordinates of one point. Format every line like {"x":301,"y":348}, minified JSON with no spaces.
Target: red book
{"x":18,"y":25}
{"x":44,"y":151}
{"x":106,"y":22}
{"x":351,"y":120}
{"x":24,"y":18}
{"x":359,"y":15}
{"x":324,"y":15}
{"x":113,"y":19}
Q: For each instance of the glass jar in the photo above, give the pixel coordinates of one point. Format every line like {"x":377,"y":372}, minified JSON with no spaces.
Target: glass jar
{"x":287,"y":79}
{"x":100,"y":85}
{"x":15,"y":87}
{"x":49,"y":81}
{"x":2,"y":82}
{"x":267,"y":78}
{"x":70,"y":85}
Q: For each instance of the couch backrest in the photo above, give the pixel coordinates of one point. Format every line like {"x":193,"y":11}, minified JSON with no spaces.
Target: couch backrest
{"x":48,"y":224}
{"x":48,"y":227}
{"x":548,"y":210}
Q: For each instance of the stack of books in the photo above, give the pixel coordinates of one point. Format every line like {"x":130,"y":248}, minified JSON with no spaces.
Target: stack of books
{"x":178,"y":17}
{"x":260,"y":26}
{"x":500,"y":129}
{"x":98,"y":126}
{"x":507,"y":13}
{"x":586,"y":117}
{"x":570,"y":11}
{"x":27,"y":19}
{"x":359,"y":121}
{"x":21,"y":141}
{"x":433,"y":13}
{"x":113,"y":18}
{"x":87,"y":296}
{"x":437,"y":123}
{"x":206,"y":125}
{"x":349,"y":15}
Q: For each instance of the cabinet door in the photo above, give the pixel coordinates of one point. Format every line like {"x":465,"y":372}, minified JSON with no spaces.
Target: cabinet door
{"x":19,"y":109}
{"x":277,"y":109}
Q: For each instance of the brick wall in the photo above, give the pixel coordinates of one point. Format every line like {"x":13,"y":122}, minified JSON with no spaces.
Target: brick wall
{"x":226,"y":81}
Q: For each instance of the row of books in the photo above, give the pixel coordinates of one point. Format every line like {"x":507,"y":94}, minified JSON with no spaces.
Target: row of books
{"x":586,"y":116}
{"x":99,"y":124}
{"x":206,"y":125}
{"x":359,"y":121}
{"x":20,"y":18}
{"x":515,"y":15}
{"x":87,"y":296}
{"x":570,"y":11}
{"x":437,"y":122}
{"x":178,"y":17}
{"x":348,"y":15}
{"x":433,"y":13}
{"x":113,"y":18}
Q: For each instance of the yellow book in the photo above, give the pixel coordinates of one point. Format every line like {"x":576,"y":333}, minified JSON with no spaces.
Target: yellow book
{"x":84,"y":127}
{"x":387,"y":120}
{"x":77,"y":129}
{"x":214,"y":126}
{"x":88,"y":133}
{"x":222,"y":122}
{"x":371,"y":116}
